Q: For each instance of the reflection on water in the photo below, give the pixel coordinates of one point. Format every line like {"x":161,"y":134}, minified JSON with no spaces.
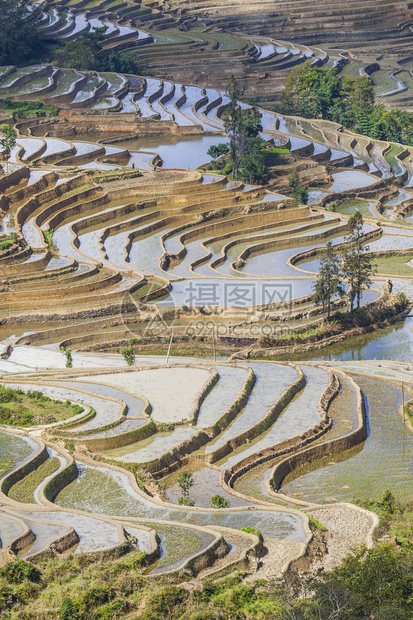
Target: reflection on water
{"x":394,"y":343}
{"x":177,"y":152}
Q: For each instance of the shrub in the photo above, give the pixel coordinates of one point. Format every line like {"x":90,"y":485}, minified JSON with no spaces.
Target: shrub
{"x":402,"y":302}
{"x":19,"y":571}
{"x":185,"y":501}
{"x":128,"y":353}
{"x":69,"y":610}
{"x":316,"y":525}
{"x":185,"y":482}
{"x":6,"y":244}
{"x":69,"y":358}
{"x":217,"y":501}
{"x":253,"y":530}
{"x":48,"y":237}
{"x":163,"y":604}
{"x":388,"y":502}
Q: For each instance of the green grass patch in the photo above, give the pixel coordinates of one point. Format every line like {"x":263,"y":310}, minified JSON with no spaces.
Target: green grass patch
{"x":24,"y":489}
{"x":12,"y":450}
{"x":395,"y":265}
{"x":391,"y":158}
{"x":28,"y":107}
{"x":6,"y":244}
{"x":316,"y":525}
{"x":252,"y":530}
{"x":349,"y":207}
{"x":408,"y":410}
{"x":19,"y":408}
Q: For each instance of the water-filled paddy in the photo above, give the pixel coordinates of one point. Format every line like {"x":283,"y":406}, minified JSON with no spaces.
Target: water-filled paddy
{"x":179,"y":387}
{"x":178,"y":545}
{"x":206,"y":485}
{"x":272,"y":380}
{"x":151,"y":448}
{"x":343,"y":413}
{"x":94,"y":534}
{"x":15,"y":450}
{"x":350,"y":179}
{"x":183,"y":152}
{"x":223,"y":394}
{"x":106,"y":492}
{"x":395,"y":342}
{"x":383,"y":462}
{"x":107,"y":411}
{"x":299,"y":416}
{"x":9,"y":530}
{"x":241,"y":293}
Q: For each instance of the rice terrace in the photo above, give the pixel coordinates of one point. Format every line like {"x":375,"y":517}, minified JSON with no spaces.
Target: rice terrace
{"x":206,"y":295}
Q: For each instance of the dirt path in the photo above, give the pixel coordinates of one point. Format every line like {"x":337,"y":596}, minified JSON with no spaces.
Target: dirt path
{"x":348,"y":526}
{"x":279,"y":553}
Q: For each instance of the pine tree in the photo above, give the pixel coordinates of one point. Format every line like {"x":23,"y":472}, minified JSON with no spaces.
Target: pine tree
{"x":328,"y":281}
{"x":7,"y":140}
{"x":357,"y":266}
{"x":243,"y":127}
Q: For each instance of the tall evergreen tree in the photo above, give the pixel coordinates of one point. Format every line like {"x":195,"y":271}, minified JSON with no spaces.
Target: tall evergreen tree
{"x":328,"y":282}
{"x":243,"y":127}
{"x":357,"y":265}
{"x":232,"y":116}
{"x":8,"y":139}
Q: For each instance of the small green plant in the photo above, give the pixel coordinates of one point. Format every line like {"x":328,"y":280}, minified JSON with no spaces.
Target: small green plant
{"x":316,"y":525}
{"x":217,"y":501}
{"x":48,"y":237}
{"x":128,"y":353}
{"x":293,"y":180}
{"x":69,"y":610}
{"x":185,"y":501}
{"x":252,"y":530}
{"x":185,"y":482}
{"x":299,"y":193}
{"x":6,"y":244}
{"x":217,"y":150}
{"x":68,"y":354}
{"x":388,"y":502}
{"x":402,"y":302}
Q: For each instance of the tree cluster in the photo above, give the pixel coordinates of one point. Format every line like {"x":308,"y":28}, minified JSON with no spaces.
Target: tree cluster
{"x":86,"y":54}
{"x":19,"y":38}
{"x":354,"y":268}
{"x":299,"y":193}
{"x":312,"y":92}
{"x":370,"y":584}
{"x":243,"y":125}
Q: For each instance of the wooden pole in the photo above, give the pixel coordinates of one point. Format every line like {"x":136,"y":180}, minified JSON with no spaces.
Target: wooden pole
{"x":213,"y":344}
{"x":169,"y":348}
{"x":403,"y":400}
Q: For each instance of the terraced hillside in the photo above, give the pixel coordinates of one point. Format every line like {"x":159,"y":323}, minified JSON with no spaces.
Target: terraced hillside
{"x":160,"y":303}
{"x":301,"y":20}
{"x":170,"y":234}
{"x":53,"y":504}
{"x":179,"y":40}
